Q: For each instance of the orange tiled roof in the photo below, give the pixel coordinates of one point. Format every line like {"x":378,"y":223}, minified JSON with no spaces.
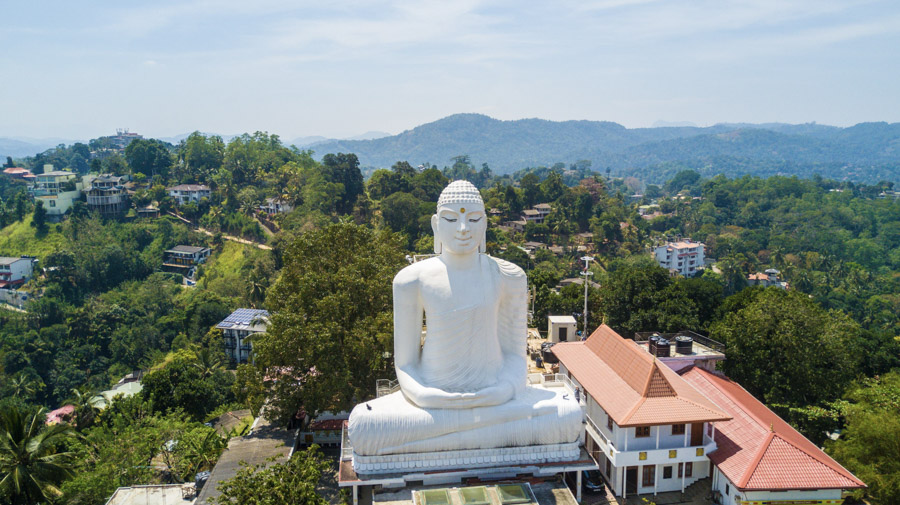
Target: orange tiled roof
{"x":631,"y":385}
{"x":757,"y":450}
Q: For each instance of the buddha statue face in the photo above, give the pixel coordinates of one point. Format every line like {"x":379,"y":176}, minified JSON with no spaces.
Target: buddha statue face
{"x":460,"y":223}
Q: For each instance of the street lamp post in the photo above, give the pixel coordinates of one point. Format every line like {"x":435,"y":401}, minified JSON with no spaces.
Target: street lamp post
{"x":586,"y":273}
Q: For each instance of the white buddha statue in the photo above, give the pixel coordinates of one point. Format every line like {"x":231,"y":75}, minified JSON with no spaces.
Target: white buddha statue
{"x":465,"y":386}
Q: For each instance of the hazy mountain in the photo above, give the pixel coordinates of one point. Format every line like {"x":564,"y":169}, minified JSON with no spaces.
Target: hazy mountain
{"x":19,"y":147}
{"x":668,"y":124}
{"x":866,"y":151}
{"x":317,"y":139}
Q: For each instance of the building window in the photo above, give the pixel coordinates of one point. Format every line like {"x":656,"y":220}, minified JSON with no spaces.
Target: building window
{"x":642,"y":431}
{"x":667,"y":472}
{"x":678,"y":429}
{"x":608,"y":468}
{"x":727,"y":490}
{"x":688,"y":470}
{"x":609,"y":422}
{"x":649,"y":477}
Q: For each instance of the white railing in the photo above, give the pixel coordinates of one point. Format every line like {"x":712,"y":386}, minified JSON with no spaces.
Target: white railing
{"x":385,"y":387}
{"x":346,"y":448}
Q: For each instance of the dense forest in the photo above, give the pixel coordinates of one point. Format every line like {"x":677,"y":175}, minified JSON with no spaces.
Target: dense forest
{"x":824,"y":353}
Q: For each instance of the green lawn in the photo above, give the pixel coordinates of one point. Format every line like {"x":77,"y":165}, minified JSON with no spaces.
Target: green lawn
{"x":225,"y":271}
{"x":19,"y":238}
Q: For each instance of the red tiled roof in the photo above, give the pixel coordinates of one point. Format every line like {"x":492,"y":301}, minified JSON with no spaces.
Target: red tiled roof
{"x":631,"y":385}
{"x":757,"y":450}
{"x":327,"y":424}
{"x":16,"y":170}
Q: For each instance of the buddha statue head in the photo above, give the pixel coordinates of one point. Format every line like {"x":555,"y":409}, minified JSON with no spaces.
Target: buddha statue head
{"x":460,"y":223}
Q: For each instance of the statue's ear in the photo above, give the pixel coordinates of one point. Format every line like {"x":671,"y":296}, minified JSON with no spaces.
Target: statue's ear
{"x":434,"y":231}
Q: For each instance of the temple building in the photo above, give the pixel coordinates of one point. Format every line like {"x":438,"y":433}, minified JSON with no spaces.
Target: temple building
{"x":653,"y":430}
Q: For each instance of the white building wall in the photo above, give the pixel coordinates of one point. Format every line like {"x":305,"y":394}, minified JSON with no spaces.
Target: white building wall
{"x":21,"y":269}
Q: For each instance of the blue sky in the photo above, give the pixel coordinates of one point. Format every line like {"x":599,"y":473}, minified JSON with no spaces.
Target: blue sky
{"x":83,"y":69}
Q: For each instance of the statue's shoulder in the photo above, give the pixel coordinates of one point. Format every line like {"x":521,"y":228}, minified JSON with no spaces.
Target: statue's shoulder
{"x":507,"y":269}
{"x":412,"y":273}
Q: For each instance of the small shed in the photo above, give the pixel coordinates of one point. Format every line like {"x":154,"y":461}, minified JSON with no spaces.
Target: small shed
{"x":561,"y":328}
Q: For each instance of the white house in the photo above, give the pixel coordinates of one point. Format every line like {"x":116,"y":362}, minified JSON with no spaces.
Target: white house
{"x":15,"y":271}
{"x":237,"y":327}
{"x":275,"y":206}
{"x":57,"y":190}
{"x":185,"y":193}
{"x":684,"y":257}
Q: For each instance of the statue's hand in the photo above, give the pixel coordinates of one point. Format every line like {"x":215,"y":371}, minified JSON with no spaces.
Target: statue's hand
{"x":429,"y":397}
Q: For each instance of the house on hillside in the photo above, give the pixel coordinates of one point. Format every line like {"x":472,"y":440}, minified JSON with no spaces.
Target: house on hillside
{"x":15,"y":271}
{"x":769,"y":278}
{"x":57,"y":190}
{"x":184,"y":259}
{"x":107,"y":194}
{"x":543,"y":210}
{"x":274,"y":206}
{"x":186,"y":193}
{"x":17,"y":172}
{"x":532,"y":216}
{"x":238,"y":327}
{"x":684,"y":257}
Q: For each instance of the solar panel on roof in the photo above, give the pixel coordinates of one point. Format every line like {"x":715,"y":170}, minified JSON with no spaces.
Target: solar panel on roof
{"x":245,"y":316}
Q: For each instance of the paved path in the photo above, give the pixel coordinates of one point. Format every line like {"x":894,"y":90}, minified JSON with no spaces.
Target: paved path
{"x":267,"y":440}
{"x":226,"y":237}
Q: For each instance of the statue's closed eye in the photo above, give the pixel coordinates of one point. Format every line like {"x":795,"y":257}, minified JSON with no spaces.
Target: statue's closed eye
{"x":475,"y":219}
{"x":449,"y":219}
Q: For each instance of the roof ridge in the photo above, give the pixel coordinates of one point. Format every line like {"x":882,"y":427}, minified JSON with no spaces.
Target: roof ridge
{"x":637,"y":405}
{"x":756,"y":418}
{"x":754,"y":464}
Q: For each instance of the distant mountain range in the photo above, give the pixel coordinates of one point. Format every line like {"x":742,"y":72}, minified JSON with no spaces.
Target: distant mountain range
{"x":866,"y":152}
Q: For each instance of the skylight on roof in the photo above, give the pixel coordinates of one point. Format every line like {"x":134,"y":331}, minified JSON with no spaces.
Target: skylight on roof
{"x":435,"y":497}
{"x":474,"y":496}
{"x":513,"y":493}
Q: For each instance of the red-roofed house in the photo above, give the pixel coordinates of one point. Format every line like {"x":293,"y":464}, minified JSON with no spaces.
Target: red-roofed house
{"x":647,"y":428}
{"x":761,"y":459}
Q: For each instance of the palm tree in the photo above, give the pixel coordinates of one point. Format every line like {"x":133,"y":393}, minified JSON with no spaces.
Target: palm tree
{"x":85,"y":411}
{"x":22,"y":385}
{"x":207,"y":362}
{"x":31,"y":469}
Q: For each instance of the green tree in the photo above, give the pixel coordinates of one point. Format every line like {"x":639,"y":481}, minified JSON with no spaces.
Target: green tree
{"x":401,"y":212}
{"x":31,"y":465}
{"x":870,"y":443}
{"x":294,"y":481}
{"x":149,"y":156}
{"x":787,"y":350}
{"x":643,"y":297}
{"x":332,"y":319}
{"x":344,"y":169}
{"x":39,"y":218}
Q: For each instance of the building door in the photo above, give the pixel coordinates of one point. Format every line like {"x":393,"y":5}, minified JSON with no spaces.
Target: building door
{"x":648,"y":479}
{"x":563,"y":334}
{"x":697,"y":434}
{"x":631,"y":480}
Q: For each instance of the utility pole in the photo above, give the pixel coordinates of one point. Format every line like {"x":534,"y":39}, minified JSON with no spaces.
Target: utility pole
{"x":586,"y":273}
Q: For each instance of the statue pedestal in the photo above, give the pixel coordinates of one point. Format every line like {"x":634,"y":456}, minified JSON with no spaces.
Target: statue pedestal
{"x":465,"y":459}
